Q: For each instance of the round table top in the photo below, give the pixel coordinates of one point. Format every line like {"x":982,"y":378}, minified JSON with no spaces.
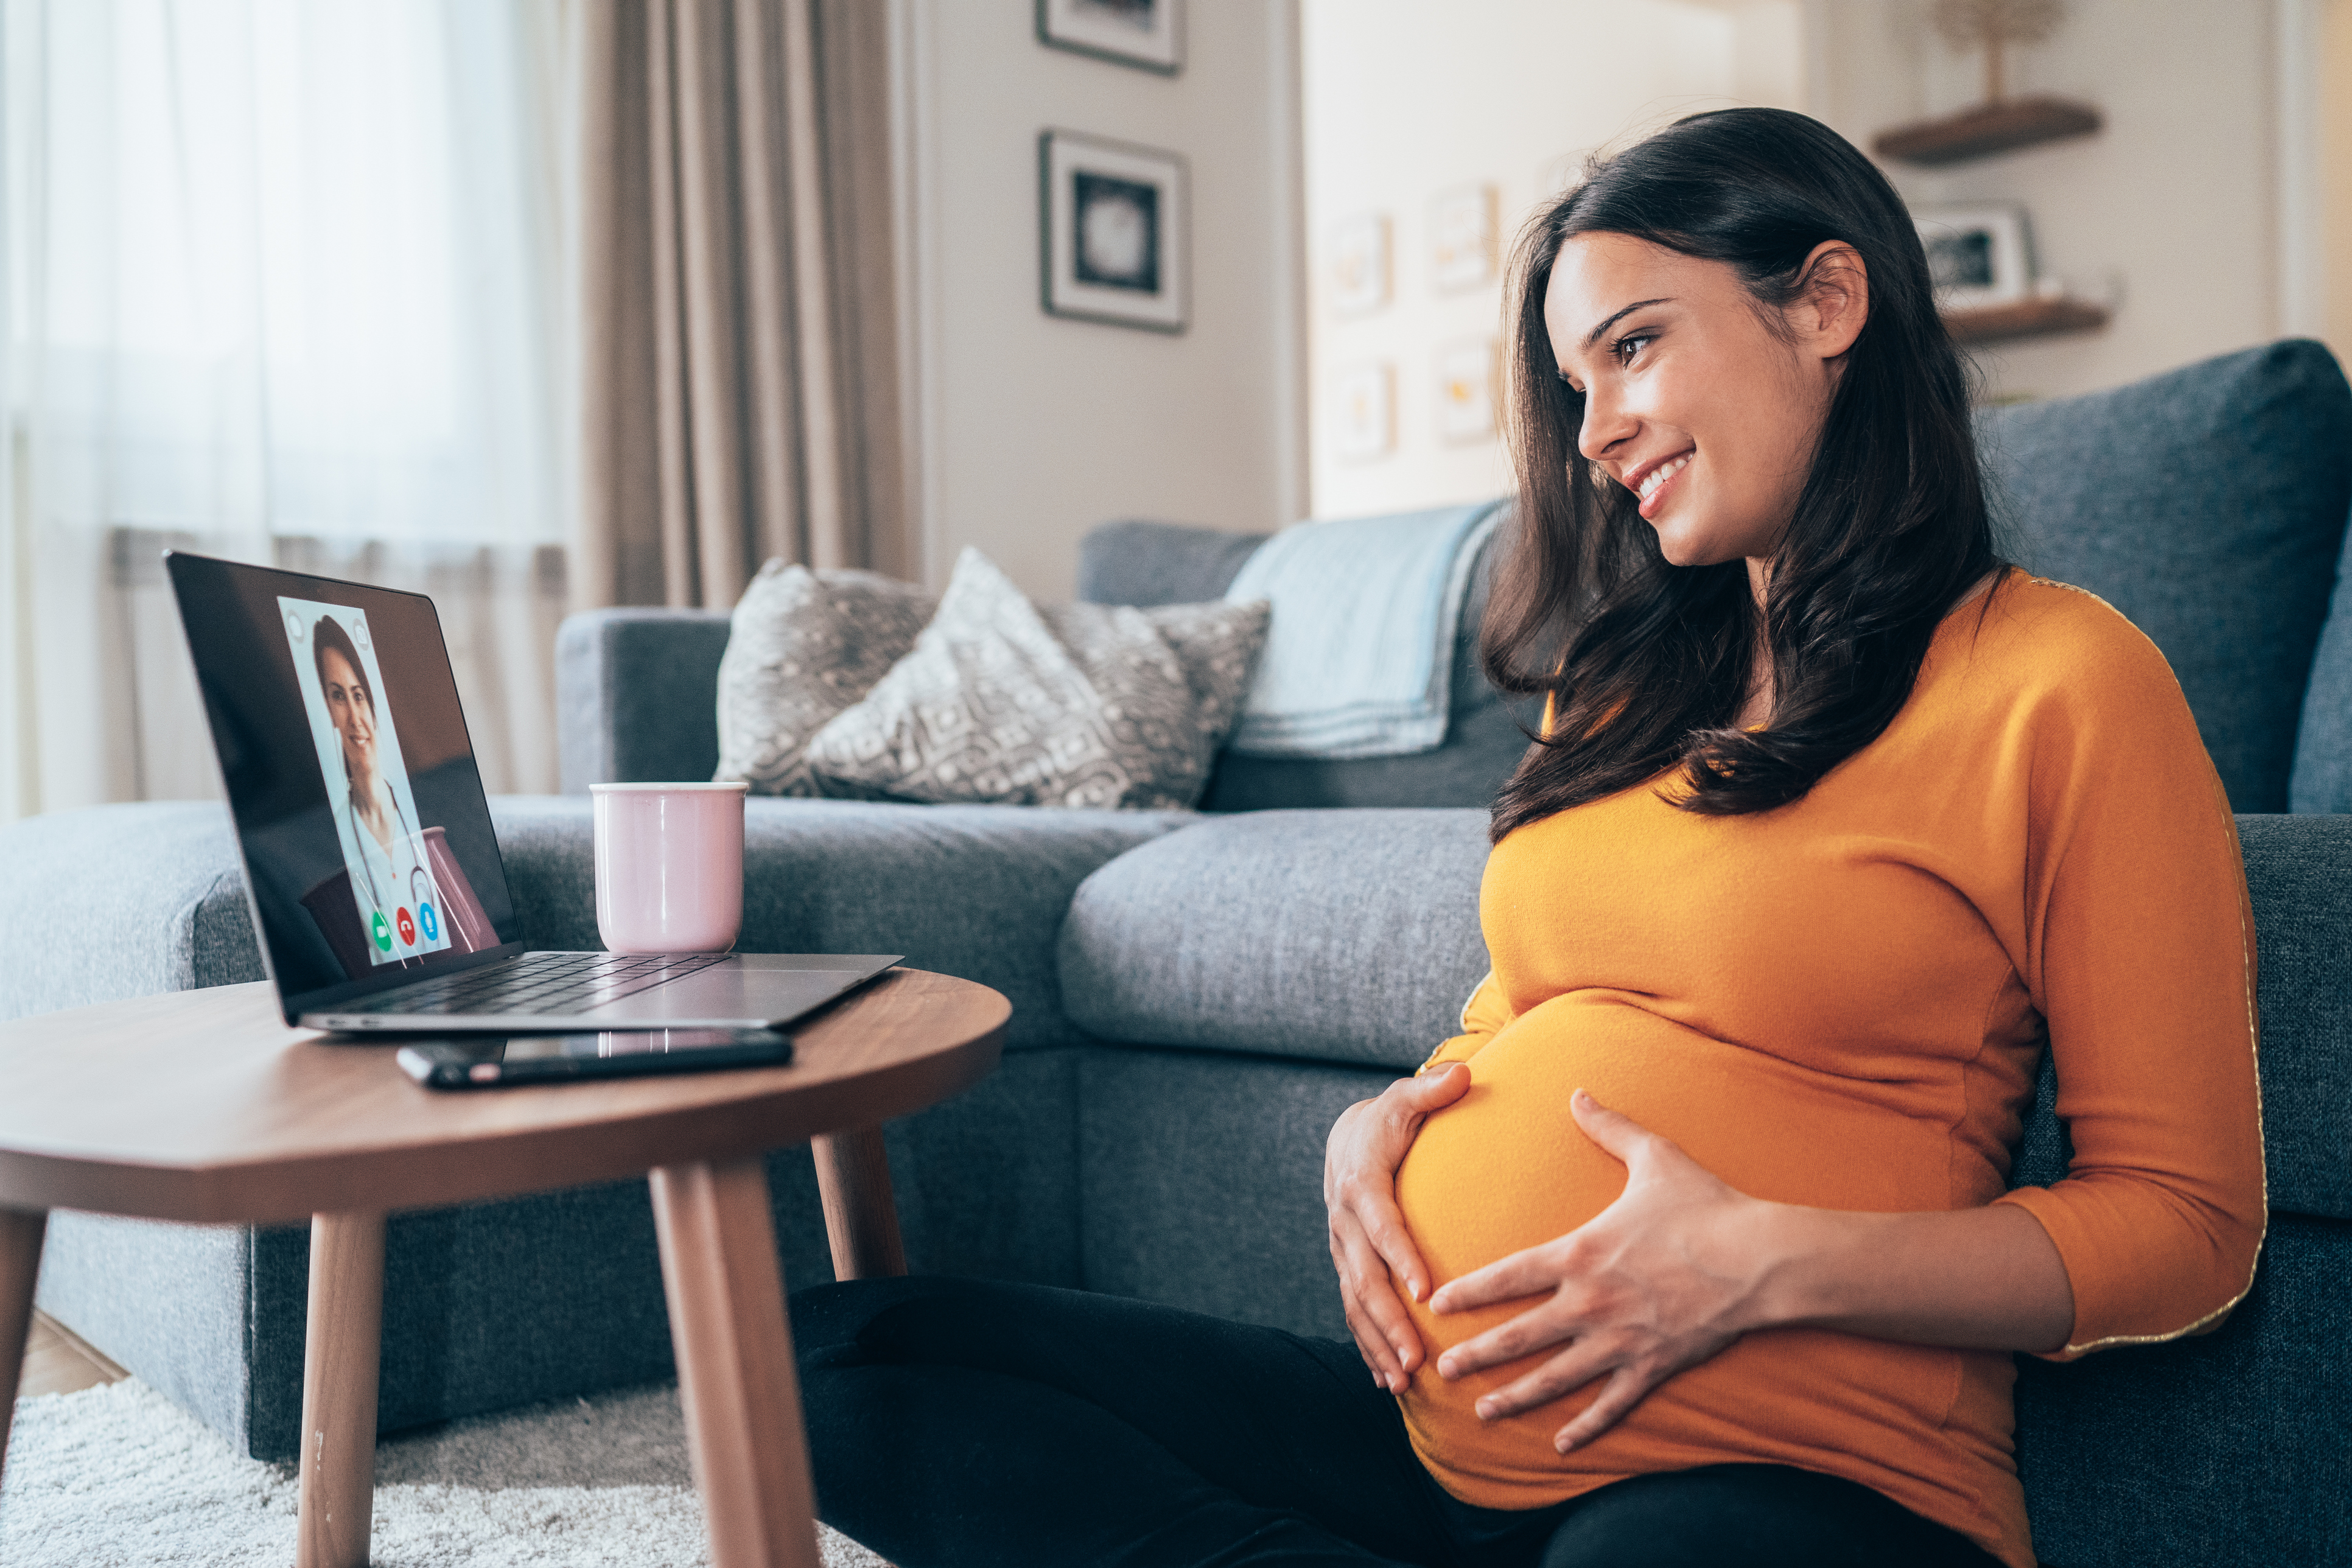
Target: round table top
{"x":203,"y":1106}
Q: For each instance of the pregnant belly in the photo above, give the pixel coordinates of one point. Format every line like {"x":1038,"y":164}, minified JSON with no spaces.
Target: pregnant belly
{"x":1506,"y":1167}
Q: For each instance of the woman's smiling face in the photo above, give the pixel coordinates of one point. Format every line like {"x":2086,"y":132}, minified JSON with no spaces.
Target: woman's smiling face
{"x":1691,"y":399}
{"x":352,"y":709}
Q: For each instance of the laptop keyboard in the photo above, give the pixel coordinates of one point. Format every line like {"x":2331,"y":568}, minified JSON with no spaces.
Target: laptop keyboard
{"x":544,"y":982}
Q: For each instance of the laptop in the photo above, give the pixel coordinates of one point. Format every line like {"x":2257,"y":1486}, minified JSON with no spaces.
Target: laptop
{"x":378,"y":894}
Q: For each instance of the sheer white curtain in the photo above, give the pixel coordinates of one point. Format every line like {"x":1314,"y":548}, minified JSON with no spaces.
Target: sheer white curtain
{"x":284,"y":282}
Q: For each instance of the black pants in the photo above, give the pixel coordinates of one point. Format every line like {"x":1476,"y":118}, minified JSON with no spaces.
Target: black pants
{"x":965,"y":1423}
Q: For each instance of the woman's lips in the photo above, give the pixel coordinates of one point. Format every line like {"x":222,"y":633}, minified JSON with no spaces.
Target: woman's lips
{"x":1656,"y":499}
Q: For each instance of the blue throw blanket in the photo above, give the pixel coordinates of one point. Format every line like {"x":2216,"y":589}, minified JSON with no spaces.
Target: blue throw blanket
{"x":1359,"y":659}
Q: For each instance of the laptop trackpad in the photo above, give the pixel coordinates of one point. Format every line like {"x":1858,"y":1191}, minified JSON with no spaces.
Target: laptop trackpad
{"x":735,"y":991}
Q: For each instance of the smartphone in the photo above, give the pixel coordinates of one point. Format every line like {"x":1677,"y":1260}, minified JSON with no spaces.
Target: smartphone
{"x":492,"y":1062}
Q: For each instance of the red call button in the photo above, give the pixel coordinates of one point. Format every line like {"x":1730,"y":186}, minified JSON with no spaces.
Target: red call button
{"x":407,"y":923}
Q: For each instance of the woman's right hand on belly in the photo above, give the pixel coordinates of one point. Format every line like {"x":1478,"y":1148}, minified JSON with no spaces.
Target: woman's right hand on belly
{"x":1370,"y":1245}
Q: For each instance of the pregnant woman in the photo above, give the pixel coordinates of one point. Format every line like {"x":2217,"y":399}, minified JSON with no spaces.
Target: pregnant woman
{"x":1692,"y":1248}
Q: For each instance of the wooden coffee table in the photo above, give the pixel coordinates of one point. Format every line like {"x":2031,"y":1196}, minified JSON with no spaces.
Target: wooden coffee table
{"x":202,"y":1106}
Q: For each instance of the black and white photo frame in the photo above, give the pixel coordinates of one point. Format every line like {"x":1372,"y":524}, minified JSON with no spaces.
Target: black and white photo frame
{"x":1978,"y":255}
{"x":1146,"y":34}
{"x":1113,"y":231}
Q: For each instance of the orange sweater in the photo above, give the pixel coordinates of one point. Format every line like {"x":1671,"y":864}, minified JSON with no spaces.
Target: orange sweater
{"x":1840,"y":1003}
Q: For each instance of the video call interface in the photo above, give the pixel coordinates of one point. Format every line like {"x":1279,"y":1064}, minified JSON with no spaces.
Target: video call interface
{"x":344,"y":753}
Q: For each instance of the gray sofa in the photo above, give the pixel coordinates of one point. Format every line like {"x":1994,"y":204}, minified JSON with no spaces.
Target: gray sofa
{"x":1197,"y":996}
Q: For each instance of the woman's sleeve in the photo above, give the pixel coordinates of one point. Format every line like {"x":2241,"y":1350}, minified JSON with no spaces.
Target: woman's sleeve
{"x":2140,"y":956}
{"x":1483,"y":1016}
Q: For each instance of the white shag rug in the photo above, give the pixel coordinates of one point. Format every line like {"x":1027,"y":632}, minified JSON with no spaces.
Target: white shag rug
{"x":120,"y":1475}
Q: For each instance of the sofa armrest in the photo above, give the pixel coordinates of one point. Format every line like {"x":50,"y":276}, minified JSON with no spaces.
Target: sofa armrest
{"x":636,"y":695}
{"x":113,"y":902}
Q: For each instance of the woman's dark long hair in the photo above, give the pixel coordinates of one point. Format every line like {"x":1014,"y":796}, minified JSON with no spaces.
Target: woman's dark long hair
{"x":1890,"y":527}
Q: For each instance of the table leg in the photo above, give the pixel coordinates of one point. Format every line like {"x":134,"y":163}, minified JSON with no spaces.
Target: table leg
{"x":735,"y":1370}
{"x":339,"y":1386}
{"x":20,"y":1268}
{"x":861,"y":1218}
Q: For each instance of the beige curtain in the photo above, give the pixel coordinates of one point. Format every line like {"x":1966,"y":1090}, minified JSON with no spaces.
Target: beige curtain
{"x":738,"y":382}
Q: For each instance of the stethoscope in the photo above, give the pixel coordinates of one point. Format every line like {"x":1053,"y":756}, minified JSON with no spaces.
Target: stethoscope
{"x":416,"y":872}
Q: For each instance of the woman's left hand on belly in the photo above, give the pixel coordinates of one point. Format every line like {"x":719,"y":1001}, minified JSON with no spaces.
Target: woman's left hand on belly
{"x":1660,"y":1280}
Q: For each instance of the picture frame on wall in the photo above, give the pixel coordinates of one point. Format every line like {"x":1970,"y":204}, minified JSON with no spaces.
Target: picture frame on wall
{"x":1113,"y":237}
{"x":1979,"y":254}
{"x":1466,"y":388}
{"x":1359,"y":265}
{"x":1462,"y":238}
{"x":1146,"y":34}
{"x":1363,"y":412}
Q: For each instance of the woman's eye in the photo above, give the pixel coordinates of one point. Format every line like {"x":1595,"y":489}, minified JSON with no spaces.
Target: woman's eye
{"x":1627,"y":347}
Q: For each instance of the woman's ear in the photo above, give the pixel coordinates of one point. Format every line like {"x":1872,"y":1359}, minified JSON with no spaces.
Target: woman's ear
{"x":1832,"y":300}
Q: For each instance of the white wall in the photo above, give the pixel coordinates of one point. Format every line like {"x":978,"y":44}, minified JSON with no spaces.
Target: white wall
{"x":1403,"y":99}
{"x":1031,"y":429}
{"x":2334,"y":171}
{"x":2171,"y":210}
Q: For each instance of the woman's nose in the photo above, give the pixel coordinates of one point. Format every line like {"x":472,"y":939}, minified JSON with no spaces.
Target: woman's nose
{"x":1606,"y":423}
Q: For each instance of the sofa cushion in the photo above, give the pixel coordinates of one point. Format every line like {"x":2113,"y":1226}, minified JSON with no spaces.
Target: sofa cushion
{"x":802,"y":645}
{"x":1077,"y":705}
{"x":2208,"y":506}
{"x":1347,"y":936}
{"x":975,"y":892}
{"x":1158,"y":564}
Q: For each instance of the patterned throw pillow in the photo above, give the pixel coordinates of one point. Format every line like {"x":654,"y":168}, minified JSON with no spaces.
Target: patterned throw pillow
{"x":1081,"y":705}
{"x":804,"y":646}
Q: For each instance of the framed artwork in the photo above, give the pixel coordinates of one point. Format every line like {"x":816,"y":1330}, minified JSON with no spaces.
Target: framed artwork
{"x":1144,"y":33}
{"x":1359,"y":265}
{"x":1978,"y":255}
{"x":1364,"y":424}
{"x":1462,"y":238}
{"x":1112,"y":231}
{"x":1467,"y":391}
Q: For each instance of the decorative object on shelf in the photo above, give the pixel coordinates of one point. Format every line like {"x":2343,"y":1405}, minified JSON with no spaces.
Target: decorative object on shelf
{"x":1979,"y":254}
{"x":1462,"y":238}
{"x":1359,"y":265}
{"x":1981,"y":258}
{"x":1999,"y":123}
{"x":1465,"y":391}
{"x":1363,"y":424}
{"x":1111,"y":223}
{"x":1144,"y":33}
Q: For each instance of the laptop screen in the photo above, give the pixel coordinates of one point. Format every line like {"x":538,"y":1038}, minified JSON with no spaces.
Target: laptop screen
{"x":367,"y":841}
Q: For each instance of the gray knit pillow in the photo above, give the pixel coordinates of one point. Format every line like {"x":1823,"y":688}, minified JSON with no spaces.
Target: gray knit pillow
{"x":1080,"y":705}
{"x":803,"y":647}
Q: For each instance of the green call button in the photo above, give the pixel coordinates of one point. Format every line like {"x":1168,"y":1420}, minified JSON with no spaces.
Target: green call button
{"x":381,"y":929}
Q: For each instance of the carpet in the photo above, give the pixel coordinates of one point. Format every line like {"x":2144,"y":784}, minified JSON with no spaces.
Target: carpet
{"x":120,"y":1475}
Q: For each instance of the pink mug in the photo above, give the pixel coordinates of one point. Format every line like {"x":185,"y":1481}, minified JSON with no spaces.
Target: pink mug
{"x":670,"y":866}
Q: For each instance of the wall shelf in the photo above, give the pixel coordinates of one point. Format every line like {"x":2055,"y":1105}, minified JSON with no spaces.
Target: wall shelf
{"x":1988,"y":129}
{"x":2026,"y":319}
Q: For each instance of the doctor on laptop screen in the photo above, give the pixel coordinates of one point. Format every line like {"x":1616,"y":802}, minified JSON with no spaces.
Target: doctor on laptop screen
{"x":388,"y":869}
